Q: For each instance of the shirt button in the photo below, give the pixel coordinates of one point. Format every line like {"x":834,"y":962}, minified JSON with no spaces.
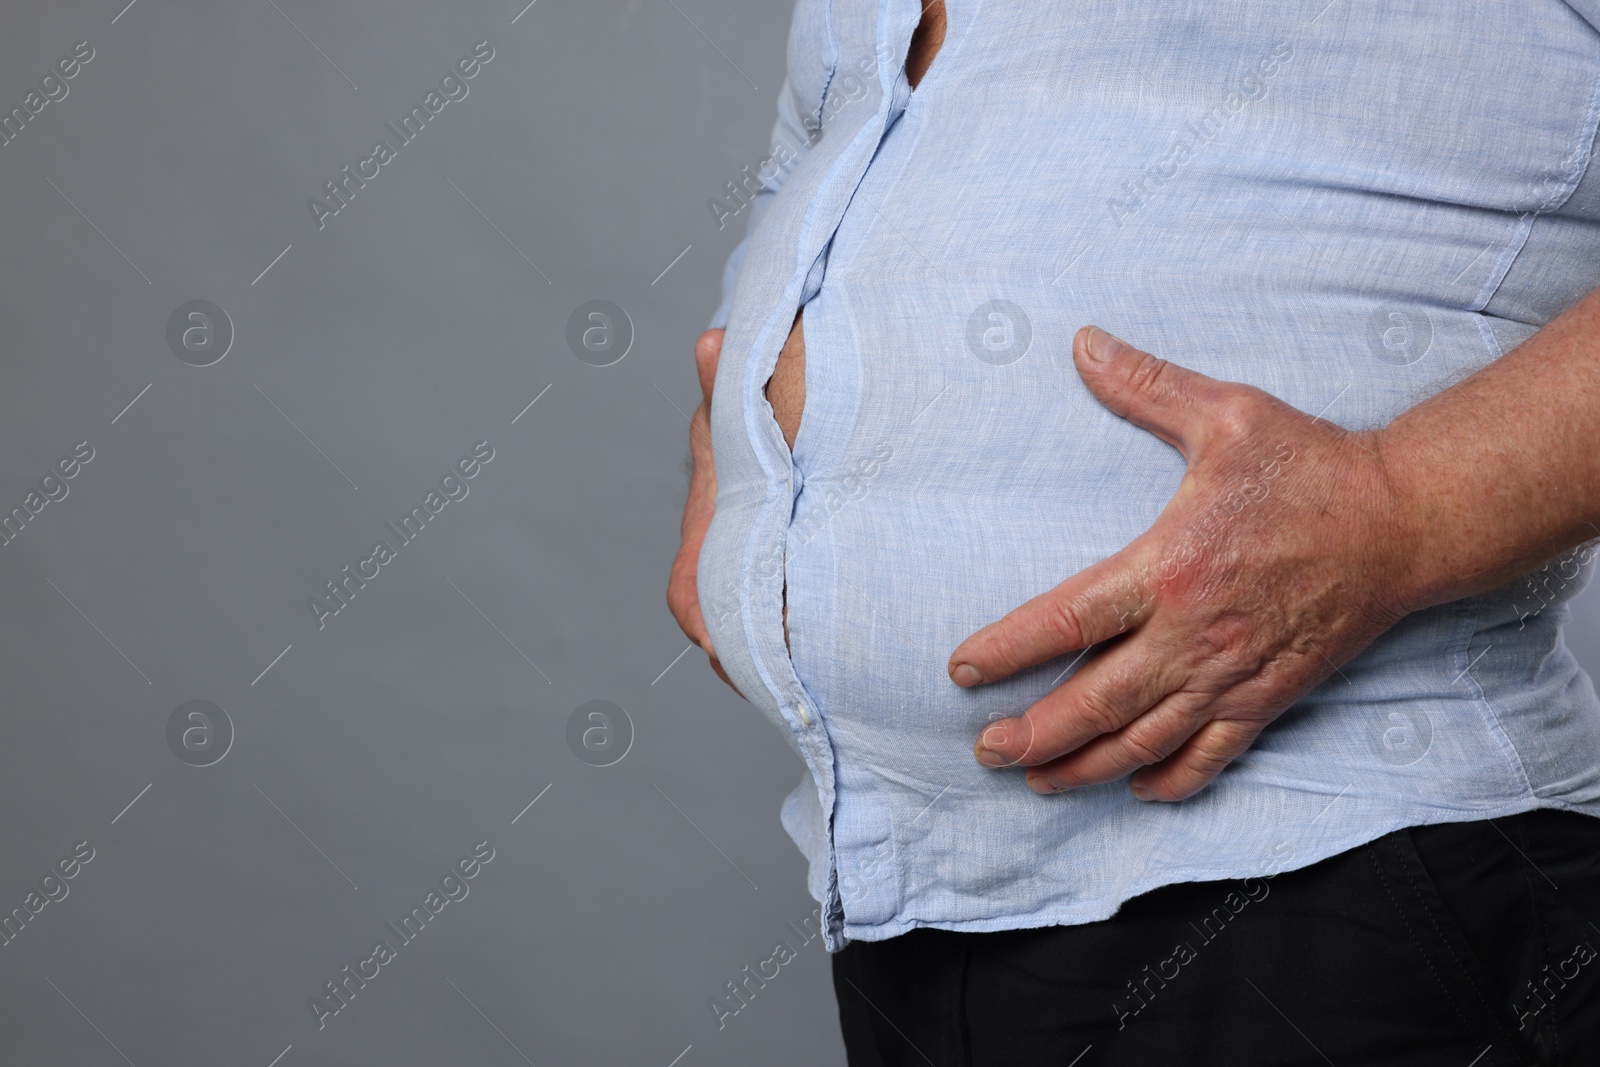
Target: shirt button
{"x":800,"y":713}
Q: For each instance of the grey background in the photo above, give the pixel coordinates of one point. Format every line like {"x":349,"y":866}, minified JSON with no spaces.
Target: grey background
{"x":408,"y":729}
{"x":374,"y":353}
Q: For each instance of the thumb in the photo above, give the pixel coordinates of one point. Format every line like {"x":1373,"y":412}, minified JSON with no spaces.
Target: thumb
{"x":707,"y":350}
{"x":1168,"y":400}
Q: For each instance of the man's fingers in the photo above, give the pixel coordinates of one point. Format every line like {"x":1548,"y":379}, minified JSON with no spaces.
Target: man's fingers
{"x":1094,"y":605}
{"x":682,"y":594}
{"x":683,"y":599}
{"x":1101,"y":699}
{"x":1147,"y":740}
{"x":716,"y":665}
{"x":1194,"y":766}
{"x":1170,"y":401}
{"x":707,"y":350}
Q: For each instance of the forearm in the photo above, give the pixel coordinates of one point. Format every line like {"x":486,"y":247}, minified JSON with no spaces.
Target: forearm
{"x":1502,"y":471}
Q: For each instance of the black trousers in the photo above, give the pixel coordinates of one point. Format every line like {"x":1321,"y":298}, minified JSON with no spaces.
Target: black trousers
{"x":1463,"y":945}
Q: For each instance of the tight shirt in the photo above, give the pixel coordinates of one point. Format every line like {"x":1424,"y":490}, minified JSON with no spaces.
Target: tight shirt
{"x":1349,"y":204}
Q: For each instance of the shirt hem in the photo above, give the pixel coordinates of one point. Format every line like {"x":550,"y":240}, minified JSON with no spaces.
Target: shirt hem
{"x":1083,"y":912}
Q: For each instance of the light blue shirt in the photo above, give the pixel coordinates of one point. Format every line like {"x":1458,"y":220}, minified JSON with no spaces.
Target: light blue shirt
{"x":1349,"y":204}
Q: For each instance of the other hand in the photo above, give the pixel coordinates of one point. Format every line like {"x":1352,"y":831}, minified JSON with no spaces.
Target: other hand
{"x":1280,"y":557}
{"x":683,"y":595}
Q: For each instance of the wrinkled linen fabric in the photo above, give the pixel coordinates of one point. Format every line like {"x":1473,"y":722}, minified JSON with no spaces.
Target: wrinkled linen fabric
{"x":1349,"y":204}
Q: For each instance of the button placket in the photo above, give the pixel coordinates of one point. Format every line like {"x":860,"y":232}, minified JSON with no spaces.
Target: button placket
{"x":808,"y":726}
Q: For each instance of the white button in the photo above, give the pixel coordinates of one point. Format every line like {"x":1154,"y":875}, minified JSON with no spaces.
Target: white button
{"x":805,"y":720}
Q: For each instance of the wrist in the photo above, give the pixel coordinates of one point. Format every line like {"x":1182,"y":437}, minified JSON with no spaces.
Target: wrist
{"x":1414,"y":568}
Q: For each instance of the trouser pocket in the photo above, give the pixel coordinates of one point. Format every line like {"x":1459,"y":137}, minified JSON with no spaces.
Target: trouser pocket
{"x":1468,"y":970}
{"x":1524,"y":894}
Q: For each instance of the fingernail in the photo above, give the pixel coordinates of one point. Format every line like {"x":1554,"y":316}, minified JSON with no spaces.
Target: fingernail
{"x":1042,"y":785}
{"x":1141,"y":793}
{"x":990,"y":758}
{"x":965,"y":675}
{"x":1103,"y":347}
{"x":993,"y":737}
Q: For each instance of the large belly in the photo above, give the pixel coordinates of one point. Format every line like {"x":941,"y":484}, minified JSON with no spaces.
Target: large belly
{"x":941,"y":485}
{"x":950,"y":465}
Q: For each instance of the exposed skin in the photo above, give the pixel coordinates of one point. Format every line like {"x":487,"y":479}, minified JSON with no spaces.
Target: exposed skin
{"x":926,"y":41}
{"x":1289,"y":546}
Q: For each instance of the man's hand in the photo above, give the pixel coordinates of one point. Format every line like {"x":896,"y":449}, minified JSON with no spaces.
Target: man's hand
{"x":683,"y":596}
{"x":1283,"y":553}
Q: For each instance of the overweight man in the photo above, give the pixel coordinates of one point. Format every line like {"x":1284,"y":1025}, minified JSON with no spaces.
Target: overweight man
{"x":1146,"y":453}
